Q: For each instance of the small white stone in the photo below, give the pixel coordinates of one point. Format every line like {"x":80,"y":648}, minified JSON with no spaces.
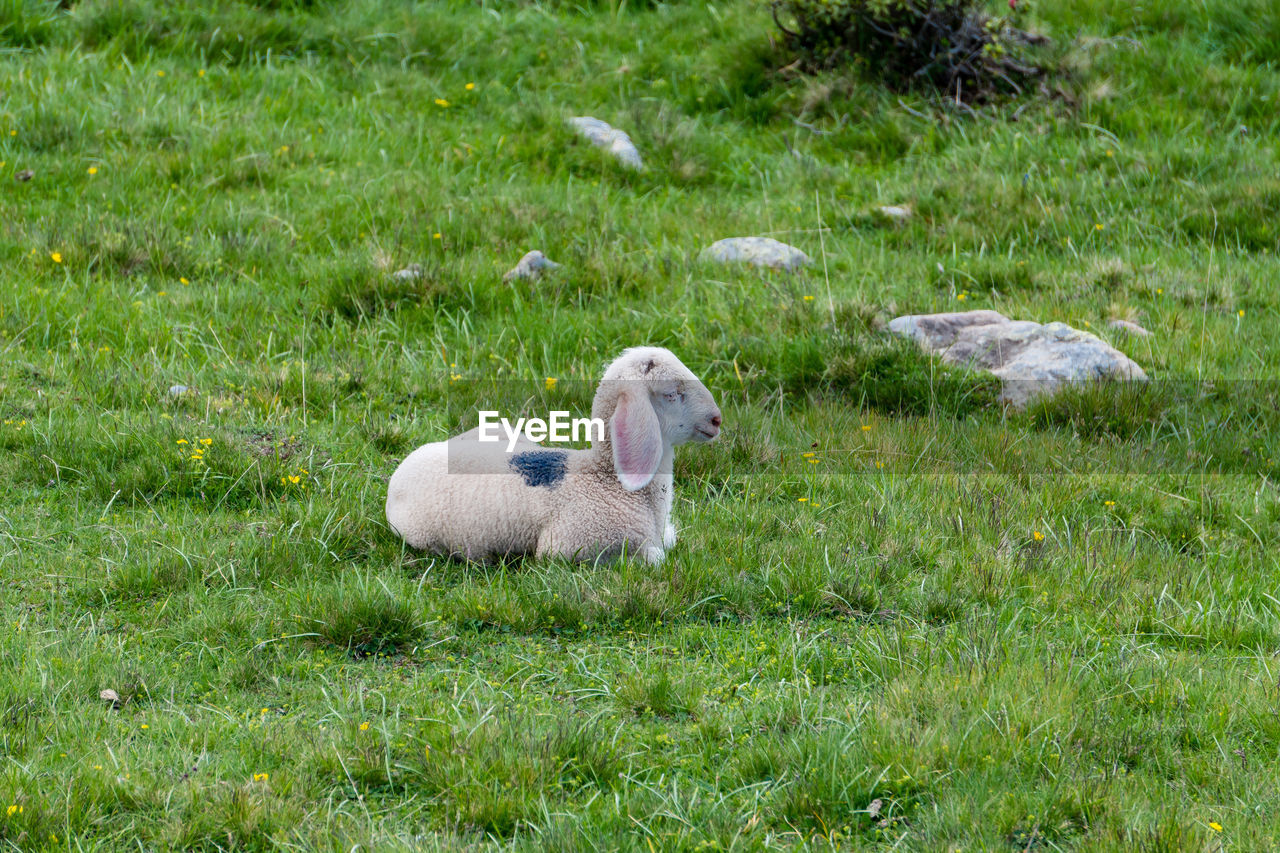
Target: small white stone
{"x":531,"y":266}
{"x":760,"y":251}
{"x":178,"y":390}
{"x":898,"y":213}
{"x":1129,"y":327}
{"x":413,"y":272}
{"x":603,"y":135}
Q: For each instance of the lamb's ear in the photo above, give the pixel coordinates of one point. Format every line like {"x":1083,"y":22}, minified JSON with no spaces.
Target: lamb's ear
{"x":637,"y":439}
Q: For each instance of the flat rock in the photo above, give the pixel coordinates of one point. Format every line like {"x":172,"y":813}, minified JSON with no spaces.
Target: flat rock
{"x":605,"y":136}
{"x":1032,"y":359}
{"x":760,"y":251}
{"x":896,"y":212}
{"x":1129,"y":327}
{"x":413,"y":272}
{"x":179,"y":390}
{"x":531,"y":267}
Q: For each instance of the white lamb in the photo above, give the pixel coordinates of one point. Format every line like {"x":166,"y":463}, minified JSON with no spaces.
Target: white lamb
{"x":476,"y":500}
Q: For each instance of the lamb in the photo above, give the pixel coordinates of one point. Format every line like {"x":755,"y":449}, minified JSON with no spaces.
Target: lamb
{"x":475,"y":500}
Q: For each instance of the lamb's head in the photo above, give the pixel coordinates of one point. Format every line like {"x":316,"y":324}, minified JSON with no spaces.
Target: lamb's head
{"x":652,"y":402}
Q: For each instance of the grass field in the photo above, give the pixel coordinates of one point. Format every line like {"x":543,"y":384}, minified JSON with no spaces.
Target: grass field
{"x":899,"y":617}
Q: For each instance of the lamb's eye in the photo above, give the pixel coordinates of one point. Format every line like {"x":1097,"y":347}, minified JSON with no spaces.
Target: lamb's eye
{"x":673,"y":396}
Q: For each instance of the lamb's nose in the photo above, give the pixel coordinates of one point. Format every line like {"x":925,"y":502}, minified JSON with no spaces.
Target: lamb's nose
{"x":715,"y":420}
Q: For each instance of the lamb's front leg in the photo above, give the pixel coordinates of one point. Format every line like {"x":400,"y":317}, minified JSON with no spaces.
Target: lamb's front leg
{"x":585,"y":546}
{"x":669,"y":537}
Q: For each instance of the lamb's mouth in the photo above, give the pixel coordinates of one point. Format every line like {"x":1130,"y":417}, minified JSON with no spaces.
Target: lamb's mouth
{"x":709,"y":435}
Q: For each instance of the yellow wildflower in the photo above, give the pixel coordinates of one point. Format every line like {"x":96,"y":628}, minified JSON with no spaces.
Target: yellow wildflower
{"x":93,"y":170}
{"x":550,"y":383}
{"x":1037,"y":535}
{"x":56,"y":257}
{"x":1215,"y":826}
{"x":259,"y":777}
{"x":441,"y":102}
{"x":364,"y":727}
{"x":470,"y":86}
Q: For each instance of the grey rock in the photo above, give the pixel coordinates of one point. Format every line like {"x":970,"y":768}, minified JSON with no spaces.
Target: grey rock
{"x":178,"y":390}
{"x":896,"y":212}
{"x":1032,"y":359}
{"x":1129,"y":327}
{"x":413,"y":272}
{"x":531,"y":267}
{"x":760,"y":251}
{"x":605,"y":136}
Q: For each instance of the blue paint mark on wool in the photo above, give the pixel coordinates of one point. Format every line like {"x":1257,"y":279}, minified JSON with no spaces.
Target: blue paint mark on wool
{"x":541,"y":467}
